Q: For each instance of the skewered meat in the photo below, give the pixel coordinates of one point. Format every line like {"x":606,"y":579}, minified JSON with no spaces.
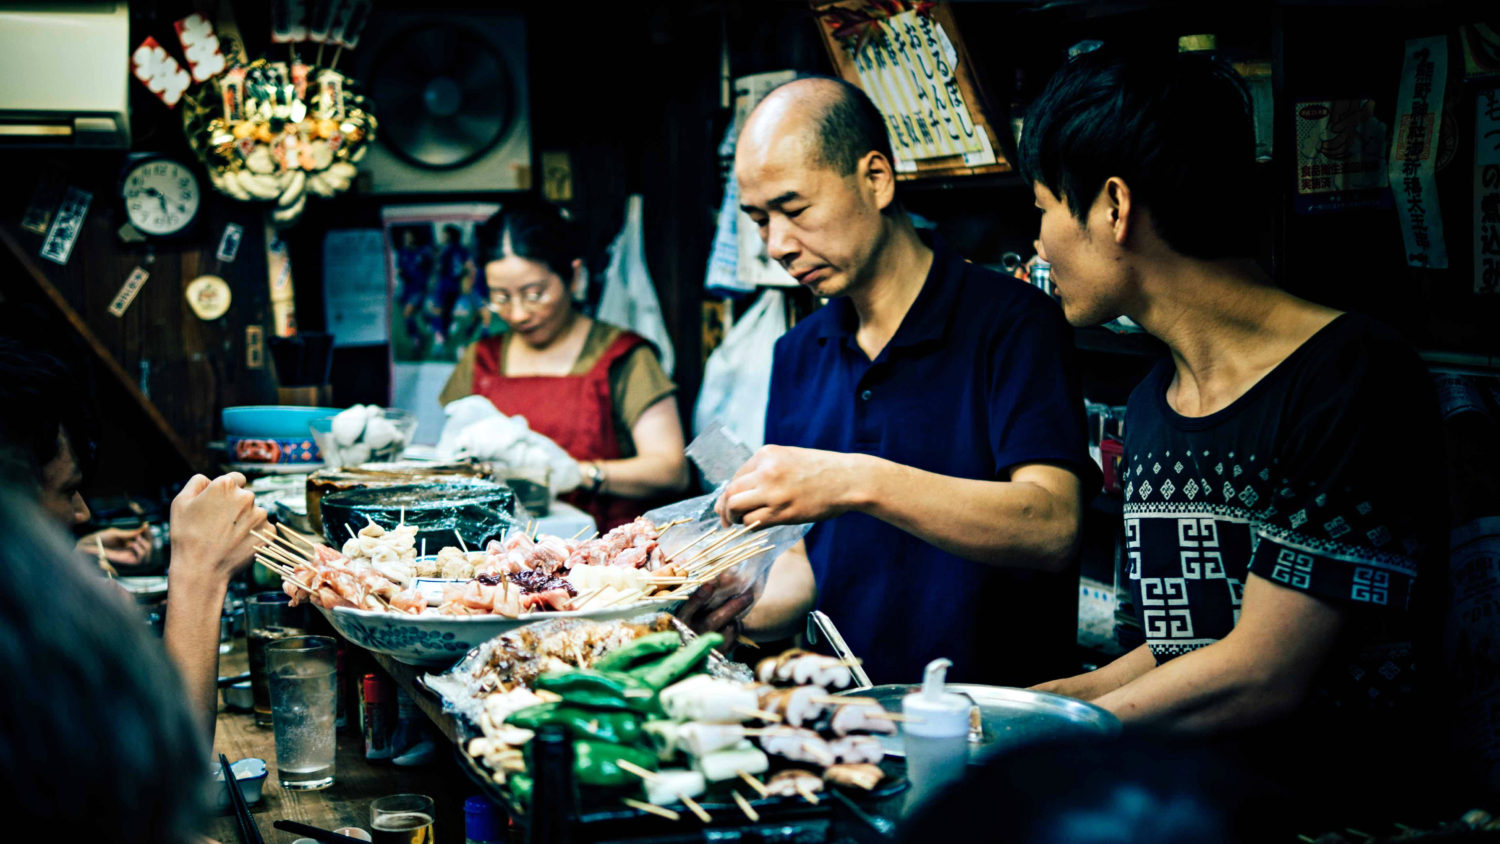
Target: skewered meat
{"x":857,"y":749}
{"x":797,"y":706}
{"x":792,"y":782}
{"x":798,"y":745}
{"x":860,"y":718}
{"x":862,"y":776}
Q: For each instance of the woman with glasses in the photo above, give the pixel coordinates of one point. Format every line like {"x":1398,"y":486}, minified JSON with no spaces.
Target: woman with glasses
{"x":593,"y":388}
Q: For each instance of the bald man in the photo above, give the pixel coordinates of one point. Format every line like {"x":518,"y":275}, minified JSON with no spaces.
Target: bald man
{"x":925,"y":419}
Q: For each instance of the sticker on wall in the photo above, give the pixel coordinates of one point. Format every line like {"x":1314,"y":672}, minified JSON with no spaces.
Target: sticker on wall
{"x":1340,"y":156}
{"x":208,"y":296}
{"x":255,"y":347}
{"x":66,"y":224}
{"x":133,"y":284}
{"x":229,"y":242}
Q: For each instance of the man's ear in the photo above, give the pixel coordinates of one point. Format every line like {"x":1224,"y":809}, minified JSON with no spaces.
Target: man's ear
{"x":876,"y":172}
{"x":1119,"y":206}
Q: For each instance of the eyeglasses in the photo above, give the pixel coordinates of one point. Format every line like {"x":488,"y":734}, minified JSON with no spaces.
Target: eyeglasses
{"x":530,"y":301}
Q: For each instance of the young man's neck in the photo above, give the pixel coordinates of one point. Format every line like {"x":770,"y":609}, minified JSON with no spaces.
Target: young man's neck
{"x":901,"y":268}
{"x":1225,"y":323}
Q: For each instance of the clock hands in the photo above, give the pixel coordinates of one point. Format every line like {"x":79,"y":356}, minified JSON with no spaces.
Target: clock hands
{"x":150,"y":191}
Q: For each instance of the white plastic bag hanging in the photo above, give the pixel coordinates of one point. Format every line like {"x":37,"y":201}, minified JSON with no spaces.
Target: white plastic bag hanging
{"x":737,"y":377}
{"x":629,"y":298}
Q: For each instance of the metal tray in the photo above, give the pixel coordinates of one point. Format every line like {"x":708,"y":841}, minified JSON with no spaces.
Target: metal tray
{"x":1009,"y":717}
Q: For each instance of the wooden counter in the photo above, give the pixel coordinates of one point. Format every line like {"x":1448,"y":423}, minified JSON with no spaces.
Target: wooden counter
{"x":358,"y":781}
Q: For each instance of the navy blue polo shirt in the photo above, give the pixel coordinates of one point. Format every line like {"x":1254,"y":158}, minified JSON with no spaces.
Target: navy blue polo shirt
{"x":977,"y":380}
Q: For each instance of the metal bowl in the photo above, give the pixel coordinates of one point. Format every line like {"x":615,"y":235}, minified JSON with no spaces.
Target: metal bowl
{"x":1008,"y":717}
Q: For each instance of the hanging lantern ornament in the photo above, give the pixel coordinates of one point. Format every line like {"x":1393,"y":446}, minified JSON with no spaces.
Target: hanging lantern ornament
{"x":275,"y":131}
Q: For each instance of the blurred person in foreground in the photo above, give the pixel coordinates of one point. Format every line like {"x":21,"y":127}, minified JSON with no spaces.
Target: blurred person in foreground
{"x":97,"y":743}
{"x":46,"y":427}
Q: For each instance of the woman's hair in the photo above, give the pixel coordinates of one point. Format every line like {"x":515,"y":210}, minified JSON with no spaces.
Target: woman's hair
{"x":531,"y":229}
{"x":96,"y":743}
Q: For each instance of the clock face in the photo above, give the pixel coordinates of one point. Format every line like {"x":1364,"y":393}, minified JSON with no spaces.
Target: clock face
{"x":161,"y":197}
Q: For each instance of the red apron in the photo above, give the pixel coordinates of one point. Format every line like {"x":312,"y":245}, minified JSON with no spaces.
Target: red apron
{"x":575,"y":411}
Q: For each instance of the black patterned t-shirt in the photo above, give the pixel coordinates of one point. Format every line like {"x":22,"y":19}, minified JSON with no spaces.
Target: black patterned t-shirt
{"x":1325,"y":477}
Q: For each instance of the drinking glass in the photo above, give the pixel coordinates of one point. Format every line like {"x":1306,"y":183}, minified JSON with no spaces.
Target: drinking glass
{"x":302,"y":672}
{"x":402,"y":819}
{"x":269,"y":616}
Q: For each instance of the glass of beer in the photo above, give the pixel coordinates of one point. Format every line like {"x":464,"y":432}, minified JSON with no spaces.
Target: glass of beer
{"x":302,"y":671}
{"x":268,"y":616}
{"x":402,"y":819}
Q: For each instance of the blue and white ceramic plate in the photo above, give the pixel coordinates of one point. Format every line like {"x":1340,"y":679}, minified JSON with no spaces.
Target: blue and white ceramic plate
{"x":437,"y":640}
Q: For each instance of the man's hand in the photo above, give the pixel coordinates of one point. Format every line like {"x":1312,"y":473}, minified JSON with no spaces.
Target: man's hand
{"x":781,"y":485}
{"x":706,"y":615}
{"x":121,"y":547}
{"x":213,"y":525}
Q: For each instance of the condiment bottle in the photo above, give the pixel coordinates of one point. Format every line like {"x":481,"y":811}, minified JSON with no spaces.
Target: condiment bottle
{"x":377,"y":723}
{"x":554,"y":799}
{"x":935,"y":734}
{"x":483,"y":822}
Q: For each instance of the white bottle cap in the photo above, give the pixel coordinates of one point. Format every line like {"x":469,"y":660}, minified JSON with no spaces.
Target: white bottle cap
{"x":932,"y":712}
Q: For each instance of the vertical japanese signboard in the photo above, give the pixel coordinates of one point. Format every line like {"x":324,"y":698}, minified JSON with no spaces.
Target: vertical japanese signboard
{"x":1487,"y":191}
{"x":908,"y":58}
{"x":1419,"y":113}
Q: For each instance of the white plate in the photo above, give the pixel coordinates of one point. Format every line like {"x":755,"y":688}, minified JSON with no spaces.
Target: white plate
{"x":274,"y":468}
{"x":431,"y":639}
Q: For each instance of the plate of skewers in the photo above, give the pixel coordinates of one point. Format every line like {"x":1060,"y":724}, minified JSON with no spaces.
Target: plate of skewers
{"x":666,"y":733}
{"x":380,"y":593}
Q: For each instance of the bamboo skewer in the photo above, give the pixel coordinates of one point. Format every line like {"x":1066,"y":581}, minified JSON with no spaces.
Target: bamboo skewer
{"x":673,"y":558}
{"x":806,"y":793}
{"x":734,"y":534}
{"x":461,"y":544}
{"x":755,"y":784}
{"x":745,"y":807}
{"x":294,"y":535}
{"x":762,"y":714}
{"x":695,"y":808}
{"x":651,"y":809}
{"x":630,"y":767}
{"x":109,"y":569}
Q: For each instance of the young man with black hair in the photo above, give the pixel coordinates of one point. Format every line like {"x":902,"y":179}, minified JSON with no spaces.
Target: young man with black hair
{"x":1284,"y":486}
{"x":926,"y":418}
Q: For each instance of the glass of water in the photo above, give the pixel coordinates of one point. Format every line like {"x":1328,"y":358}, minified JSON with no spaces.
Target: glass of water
{"x":302,"y":672}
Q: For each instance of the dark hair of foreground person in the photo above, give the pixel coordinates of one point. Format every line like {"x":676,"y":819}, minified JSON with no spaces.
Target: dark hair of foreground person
{"x":1130,"y":790}
{"x":96,"y":741}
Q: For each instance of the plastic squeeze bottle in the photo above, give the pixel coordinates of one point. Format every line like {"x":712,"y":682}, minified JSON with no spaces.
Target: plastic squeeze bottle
{"x":935,"y":734}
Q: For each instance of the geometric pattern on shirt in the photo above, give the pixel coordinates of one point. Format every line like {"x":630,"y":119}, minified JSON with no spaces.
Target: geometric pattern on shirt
{"x":1200,"y":512}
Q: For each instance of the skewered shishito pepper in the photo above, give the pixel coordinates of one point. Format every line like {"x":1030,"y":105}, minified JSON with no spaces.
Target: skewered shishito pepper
{"x":651,"y":647}
{"x":663,"y":673}
{"x":598,"y":763}
{"x":617,"y":726}
{"x":600,"y":689}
